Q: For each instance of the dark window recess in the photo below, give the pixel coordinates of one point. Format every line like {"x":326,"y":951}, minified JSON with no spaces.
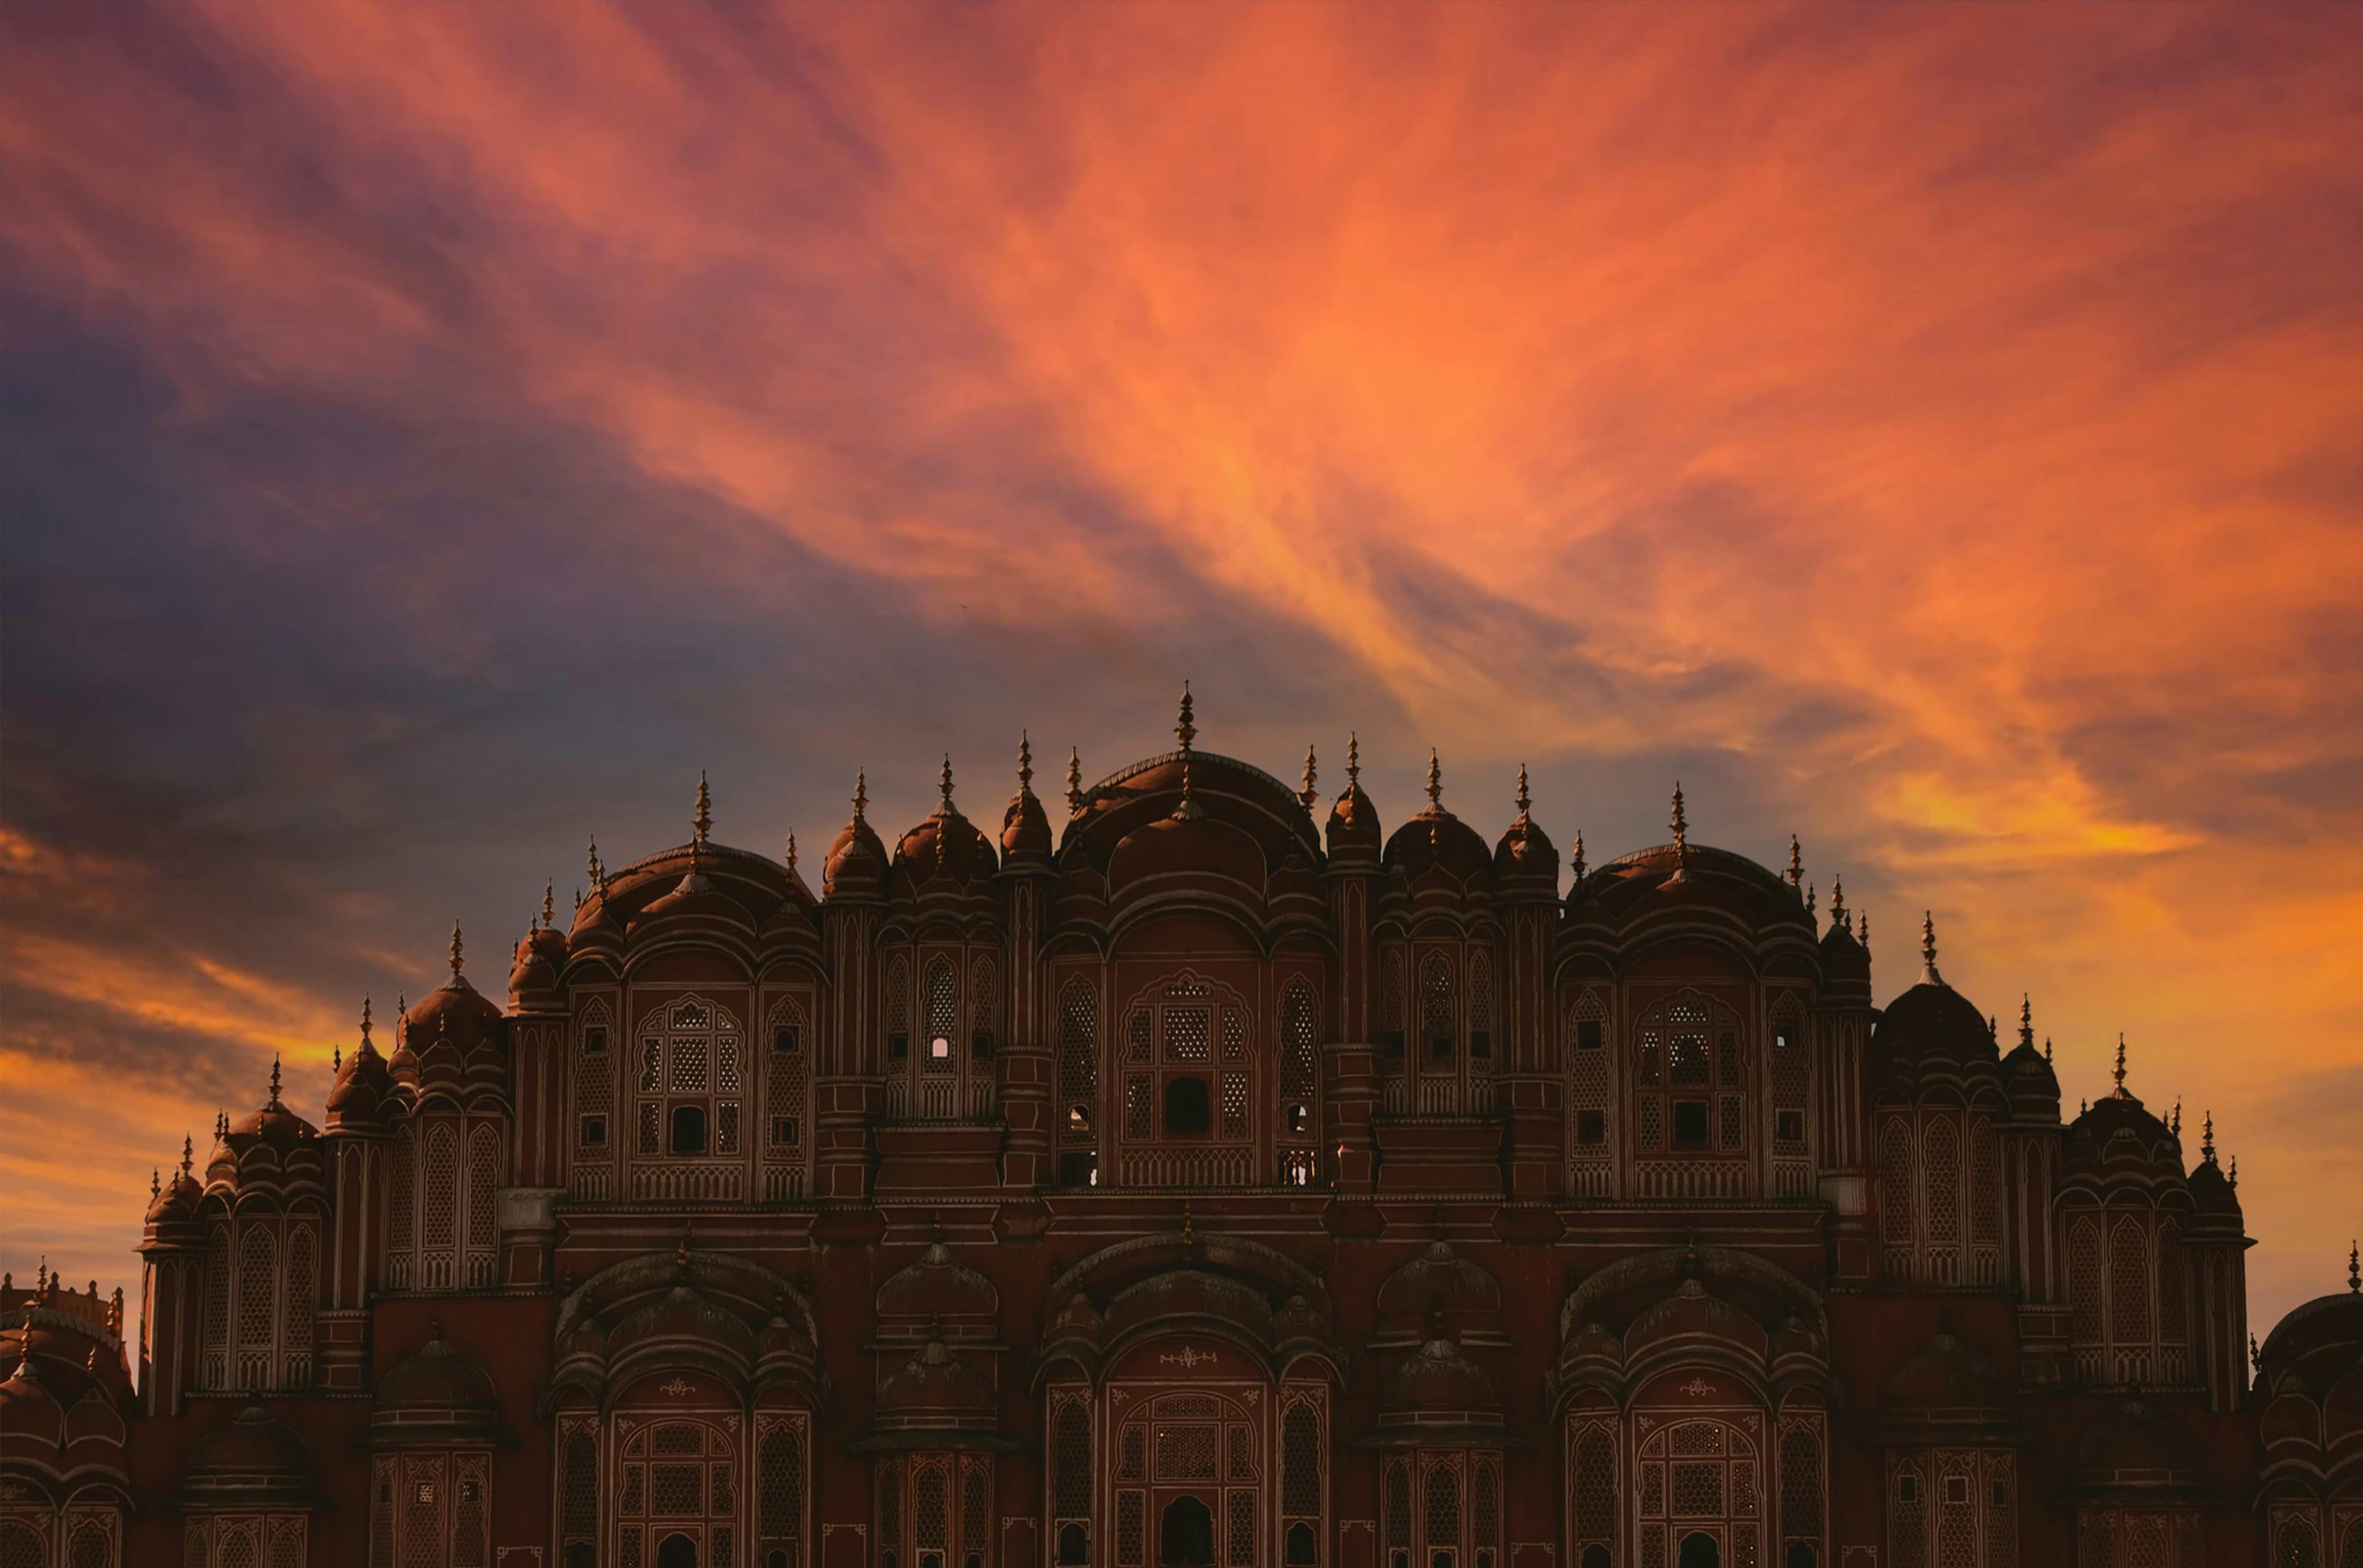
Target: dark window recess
{"x":1189,"y":1109}
{"x":980,"y":1045}
{"x":1078,"y":1118}
{"x":1079,"y":1170}
{"x":1299,"y":1119}
{"x":1791,"y":1127}
{"x":1786,"y":1037}
{"x":1907,"y":1488}
{"x":1690,"y":1124}
{"x":787,"y":1040}
{"x":1588,"y":1034}
{"x":595,"y":1041}
{"x":1957,"y":1488}
{"x":1392,"y":1042}
{"x":595,"y":1132}
{"x":1592,"y":1127}
{"x":1801,"y":1555}
{"x":1480,"y":1043}
{"x":1301,"y":1549}
{"x":898,"y":1045}
{"x":783,"y":1129}
{"x":1440,"y":1047}
{"x":1439,"y":1559}
{"x":689,"y":1129}
{"x":1073,"y":1544}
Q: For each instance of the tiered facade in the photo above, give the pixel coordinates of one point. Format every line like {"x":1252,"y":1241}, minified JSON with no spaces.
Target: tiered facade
{"x":1195,"y":1186}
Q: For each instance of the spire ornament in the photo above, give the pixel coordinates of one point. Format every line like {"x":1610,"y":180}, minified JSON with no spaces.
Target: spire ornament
{"x":1928,"y":974}
{"x":1353,"y":761}
{"x":945,"y":783}
{"x":274,"y":1077}
{"x":1525,"y":801}
{"x":2207,"y":1137}
{"x":2119,"y":1074}
{"x":1680,"y":826}
{"x":1308,"y":795}
{"x":188,"y":1153}
{"x":459,"y":954}
{"x":2026,"y":1021}
{"x":1862,"y":935}
{"x":861,"y":794}
{"x":2046,"y":1050}
{"x":1434,"y":782}
{"x":1837,"y":903}
{"x":1575,"y":861}
{"x":791,"y":852}
{"x":1809,"y":902}
{"x":1074,"y":781}
{"x":2354,"y":1268}
{"x":1796,"y":866}
{"x":2174,"y":1124}
{"x":549,"y":902}
{"x":703,"y":820}
{"x":598,"y":872}
{"x":1024,"y":763}
{"x":1185,"y":729}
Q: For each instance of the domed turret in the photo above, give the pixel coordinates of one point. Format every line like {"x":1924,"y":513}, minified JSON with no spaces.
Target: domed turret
{"x":1931,"y":1027}
{"x":540,"y":958}
{"x":945,"y":853}
{"x":2118,"y":1138}
{"x":1436,"y":850}
{"x":435,"y":1394}
{"x":454,"y":1010}
{"x":364,"y":1085}
{"x":857,"y":861}
{"x":2215,"y":1201}
{"x":174,"y":1201}
{"x":1845,"y":963}
{"x":1526,"y":861}
{"x":2026,"y":1076}
{"x":934,"y":1392}
{"x":252,"y":1460}
{"x":1025,"y":825}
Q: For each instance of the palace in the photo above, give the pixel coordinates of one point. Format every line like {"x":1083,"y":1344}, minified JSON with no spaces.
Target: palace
{"x":1215,"y":1182}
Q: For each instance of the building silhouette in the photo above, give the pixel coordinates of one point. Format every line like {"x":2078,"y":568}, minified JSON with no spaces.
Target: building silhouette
{"x":1217,"y":1180}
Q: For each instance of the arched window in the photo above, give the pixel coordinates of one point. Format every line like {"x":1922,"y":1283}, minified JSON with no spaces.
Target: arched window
{"x":257,"y":1290}
{"x":1481,"y":1006}
{"x":1188,"y":1112}
{"x":1438,"y":1020}
{"x":303,"y":1286}
{"x":2129,"y":1288}
{"x":1396,"y":1508}
{"x":1300,"y":1464}
{"x":1070,"y":1475}
{"x":692,"y":1059}
{"x":780,"y":1462}
{"x":2084,"y":1287}
{"x":942,"y":1015}
{"x":984,"y":1010}
{"x":1941,"y":1140}
{"x":1079,"y":1083}
{"x":1185,"y":1534}
{"x":1595,"y":1485}
{"x":688,"y":1130}
{"x":898,"y":1011}
{"x":1800,"y":1487}
{"x":483,"y":1183}
{"x":1392,"y":1023}
{"x":1688,"y":1082}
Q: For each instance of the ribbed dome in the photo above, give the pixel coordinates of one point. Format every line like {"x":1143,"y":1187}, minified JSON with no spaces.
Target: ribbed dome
{"x":1439,"y":1378}
{"x":1947,"y":1379}
{"x":1026,"y":830}
{"x":253,"y":1458}
{"x":2119,"y":1137}
{"x":945,"y":848}
{"x":936,"y":1387}
{"x":436,"y":1377}
{"x":856,"y":861}
{"x":1931,"y":1025}
{"x":1353,"y":824}
{"x":1435,"y":842}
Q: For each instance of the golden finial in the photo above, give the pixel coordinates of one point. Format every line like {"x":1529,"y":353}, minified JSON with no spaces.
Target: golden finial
{"x":1074,"y":781}
{"x":946,"y":781}
{"x":1185,"y":731}
{"x":1434,"y":782}
{"x":1353,"y":760}
{"x":703,"y":820}
{"x":1575,"y":861}
{"x":1837,"y":902}
{"x":549,"y":902}
{"x":2232,"y":1175}
{"x":2255,"y":1356}
{"x":459,"y":956}
{"x":2046,"y":1050}
{"x":274,"y":1077}
{"x":1308,"y":795}
{"x":1525,"y":801}
{"x":1928,"y":975}
{"x":791,"y":852}
{"x":1680,"y":827}
{"x":1189,"y":807}
{"x":2120,"y":1073}
{"x":1809,"y":901}
{"x":1024,"y":763}
{"x":155,"y":1181}
{"x":1796,"y":865}
{"x":365,"y":1017}
{"x":188,"y":1153}
{"x":2354,"y":1268}
{"x":861,"y":794}
{"x":2207,"y":1137}
{"x":598,"y":872}
{"x":1862,"y":932}
{"x":2026,"y":1021}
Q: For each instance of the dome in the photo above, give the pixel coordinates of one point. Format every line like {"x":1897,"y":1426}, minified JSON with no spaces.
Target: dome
{"x":856,"y":861}
{"x":540,"y":958}
{"x":2213,"y":1195}
{"x":945,"y":848}
{"x":2117,"y":1135}
{"x":1190,"y":844}
{"x":455,"y":1009}
{"x":1439,"y":1378}
{"x":1525,"y":857}
{"x":936,"y":1388}
{"x":436,"y":1377}
{"x":1025,"y":825}
{"x":2318,"y":1342}
{"x":2134,"y":1446}
{"x":937,"y":1285}
{"x":175,"y":1201}
{"x":2027,"y":1078}
{"x":252,"y":1459}
{"x":1353,"y":822}
{"x":684,"y":1313}
{"x":1945,"y":1381}
{"x":1437,"y":843}
{"x":1931,"y":1025}
{"x":364,"y":1082}
{"x":1686,"y":876}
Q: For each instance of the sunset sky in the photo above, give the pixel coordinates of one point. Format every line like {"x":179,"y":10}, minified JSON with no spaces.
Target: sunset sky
{"x":434,"y":434}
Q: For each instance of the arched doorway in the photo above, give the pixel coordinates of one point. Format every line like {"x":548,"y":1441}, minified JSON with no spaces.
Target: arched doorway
{"x":680,"y":1551}
{"x":1185,"y":1534}
{"x":1699,"y":1551}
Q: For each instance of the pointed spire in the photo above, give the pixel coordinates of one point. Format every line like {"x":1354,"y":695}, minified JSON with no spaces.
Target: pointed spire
{"x":945,"y":783}
{"x":274,"y":1077}
{"x":1862,"y":935}
{"x":1025,"y":763}
{"x":1796,"y":866}
{"x":549,"y":902}
{"x":1809,"y":901}
{"x":155,"y":1181}
{"x":1837,"y":903}
{"x":2232,"y":1175}
{"x":703,"y":820}
{"x":1353,"y":760}
{"x":2174,"y":1124}
{"x":2255,"y":1356}
{"x":2120,"y":1073}
{"x":1525,"y":801}
{"x":1183,"y":730}
{"x":861,"y":794}
{"x":1434,"y":782}
{"x":1928,"y":975}
{"x":597,"y":872}
{"x":1308,"y":795}
{"x":336,"y":1062}
{"x":791,"y":852}
{"x":459,"y":954}
{"x":2207,"y":1137}
{"x":2046,"y":1050}
{"x":1074,"y":781}
{"x":1680,"y":826}
{"x":188,"y":1153}
{"x":2026,"y":1021}
{"x":2354,"y":1268}
{"x":1575,"y":862}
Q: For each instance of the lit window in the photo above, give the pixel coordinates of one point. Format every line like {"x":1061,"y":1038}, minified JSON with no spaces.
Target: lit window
{"x":940,"y":1048}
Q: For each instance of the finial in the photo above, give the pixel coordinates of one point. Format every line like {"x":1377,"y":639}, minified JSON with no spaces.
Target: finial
{"x":1682,"y":828}
{"x":2354,"y":1268}
{"x":1796,"y":865}
{"x":274,"y":1077}
{"x":1024,"y":763}
{"x":2174,"y":1126}
{"x":365,"y":1017}
{"x":1525,"y":801}
{"x":598,"y":872}
{"x":1434,"y":782}
{"x":1837,"y":902}
{"x":336,"y":1062}
{"x":945,"y":783}
{"x":1576,"y":864}
{"x":2026,"y":1021}
{"x":155,"y":1181}
{"x":188,"y":1153}
{"x":2256,"y":1357}
{"x":2207,"y":1137}
{"x":791,"y":852}
{"x":1353,"y":760}
{"x":549,"y":902}
{"x":1189,"y":807}
{"x":1074,"y":781}
{"x":1185,"y":731}
{"x":1308,"y":795}
{"x":1928,"y":975}
{"x":703,"y":820}
{"x":1809,"y":901}
{"x":1993,"y":1028}
{"x":861,"y":794}
{"x":2046,"y":1050}
{"x":2120,"y":1073}
{"x":1189,"y":1235}
{"x":2083,"y":1105}
{"x":2232,"y":1175}
{"x":458,"y":957}
{"x":1862,"y":935}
